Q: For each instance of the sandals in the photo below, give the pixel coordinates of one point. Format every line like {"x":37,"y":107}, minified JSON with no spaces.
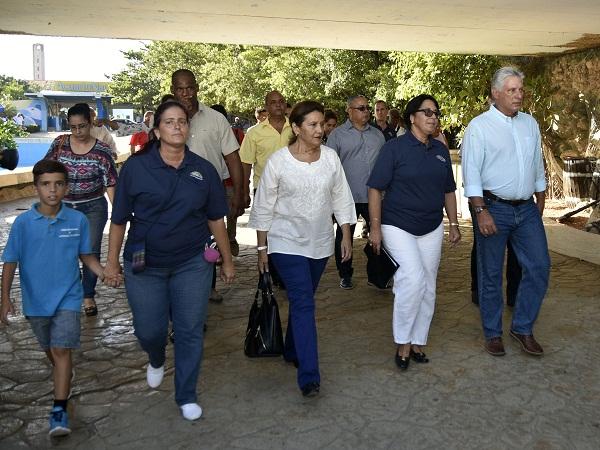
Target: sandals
{"x":91,"y":310}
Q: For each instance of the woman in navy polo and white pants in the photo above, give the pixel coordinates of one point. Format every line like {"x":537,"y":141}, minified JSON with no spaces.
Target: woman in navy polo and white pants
{"x":301,"y":187}
{"x":415,"y":172}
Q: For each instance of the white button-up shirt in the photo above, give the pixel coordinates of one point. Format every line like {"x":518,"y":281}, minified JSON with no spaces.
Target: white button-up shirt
{"x":503,"y":155}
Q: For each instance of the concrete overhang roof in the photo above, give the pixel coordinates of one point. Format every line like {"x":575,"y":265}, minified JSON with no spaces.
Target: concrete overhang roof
{"x":509,"y":27}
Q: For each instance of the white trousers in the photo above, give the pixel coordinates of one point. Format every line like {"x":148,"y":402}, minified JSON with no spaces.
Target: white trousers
{"x":414,"y":281}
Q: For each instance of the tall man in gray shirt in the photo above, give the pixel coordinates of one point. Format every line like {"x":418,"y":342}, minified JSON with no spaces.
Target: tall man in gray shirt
{"x":357,"y":143}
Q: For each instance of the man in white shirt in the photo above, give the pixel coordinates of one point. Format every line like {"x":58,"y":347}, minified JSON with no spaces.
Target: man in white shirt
{"x":99,"y":131}
{"x":503,"y":170}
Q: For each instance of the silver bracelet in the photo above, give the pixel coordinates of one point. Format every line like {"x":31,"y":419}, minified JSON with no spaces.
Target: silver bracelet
{"x":262,"y":247}
{"x":452,"y":224}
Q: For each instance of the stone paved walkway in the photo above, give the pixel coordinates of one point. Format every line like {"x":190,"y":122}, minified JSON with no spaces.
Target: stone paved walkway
{"x":462,"y":399}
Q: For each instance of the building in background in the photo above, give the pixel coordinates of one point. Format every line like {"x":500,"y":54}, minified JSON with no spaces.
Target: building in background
{"x":47,"y":107}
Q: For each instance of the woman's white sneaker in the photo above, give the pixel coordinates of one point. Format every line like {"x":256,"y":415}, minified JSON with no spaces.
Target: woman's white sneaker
{"x":191,"y":411}
{"x":154,"y":376}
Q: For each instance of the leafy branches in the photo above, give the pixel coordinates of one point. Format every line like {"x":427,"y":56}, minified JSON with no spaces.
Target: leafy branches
{"x":239,"y":76}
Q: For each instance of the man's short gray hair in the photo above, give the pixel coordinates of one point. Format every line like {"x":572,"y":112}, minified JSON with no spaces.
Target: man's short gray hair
{"x":350,"y":100}
{"x":502,"y":74}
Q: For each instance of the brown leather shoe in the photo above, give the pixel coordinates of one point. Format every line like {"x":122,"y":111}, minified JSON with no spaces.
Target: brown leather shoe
{"x":528,"y":343}
{"x":494,"y":346}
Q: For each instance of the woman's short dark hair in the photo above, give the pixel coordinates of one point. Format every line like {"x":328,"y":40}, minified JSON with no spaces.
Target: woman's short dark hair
{"x":80,"y":109}
{"x":167,"y":105}
{"x":152,"y":139}
{"x":300,"y":111}
{"x":414,"y":105}
{"x":49,"y":166}
{"x":167,"y":98}
{"x":329,"y":114}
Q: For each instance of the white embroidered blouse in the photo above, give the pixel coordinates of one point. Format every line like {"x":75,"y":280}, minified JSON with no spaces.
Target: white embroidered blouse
{"x":295,"y":200}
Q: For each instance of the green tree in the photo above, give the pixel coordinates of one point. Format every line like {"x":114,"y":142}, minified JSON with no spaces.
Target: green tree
{"x":460,"y":83}
{"x":137,"y":84}
{"x":239,"y":76}
{"x":13,"y":89}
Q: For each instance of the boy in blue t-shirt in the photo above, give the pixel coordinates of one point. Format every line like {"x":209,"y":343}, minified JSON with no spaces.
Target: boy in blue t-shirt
{"x":46,"y":243}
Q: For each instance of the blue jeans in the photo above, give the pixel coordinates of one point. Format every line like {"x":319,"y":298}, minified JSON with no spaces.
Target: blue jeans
{"x":183,"y":290}
{"x":522,"y":226}
{"x":301,"y":276}
{"x":96,"y":212}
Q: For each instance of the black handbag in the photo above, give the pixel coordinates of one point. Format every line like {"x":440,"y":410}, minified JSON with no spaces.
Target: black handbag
{"x":263,"y":334}
{"x":380,"y":268}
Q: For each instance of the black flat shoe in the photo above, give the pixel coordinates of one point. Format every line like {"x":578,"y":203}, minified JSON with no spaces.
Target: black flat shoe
{"x":419,"y":357}
{"x":311,"y":389}
{"x":402,"y":361}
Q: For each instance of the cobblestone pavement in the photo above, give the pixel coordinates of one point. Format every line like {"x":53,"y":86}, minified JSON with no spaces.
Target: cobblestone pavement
{"x":463,"y":399}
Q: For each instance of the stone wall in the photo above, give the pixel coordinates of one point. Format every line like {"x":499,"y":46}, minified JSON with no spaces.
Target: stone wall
{"x":571,"y":103}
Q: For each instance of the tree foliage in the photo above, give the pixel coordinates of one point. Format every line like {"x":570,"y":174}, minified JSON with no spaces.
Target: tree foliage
{"x":138,"y":83}
{"x":239,"y":76}
{"x":460,"y":83}
{"x":12,"y":88}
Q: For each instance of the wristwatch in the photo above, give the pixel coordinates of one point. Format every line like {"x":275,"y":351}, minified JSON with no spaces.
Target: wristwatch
{"x":479,"y":209}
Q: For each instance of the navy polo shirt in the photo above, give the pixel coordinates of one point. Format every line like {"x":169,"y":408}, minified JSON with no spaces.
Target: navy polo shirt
{"x":168,"y":208}
{"x":415,"y":178}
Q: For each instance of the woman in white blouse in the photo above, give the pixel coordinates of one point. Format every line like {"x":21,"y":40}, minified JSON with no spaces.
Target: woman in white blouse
{"x":301,"y":187}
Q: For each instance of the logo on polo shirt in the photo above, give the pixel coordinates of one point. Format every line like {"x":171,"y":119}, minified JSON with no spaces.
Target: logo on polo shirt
{"x":196,"y":175}
{"x":69,"y":232}
{"x":441,"y":158}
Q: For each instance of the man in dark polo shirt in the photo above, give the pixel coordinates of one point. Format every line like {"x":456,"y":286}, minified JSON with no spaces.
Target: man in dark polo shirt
{"x":381,"y":123}
{"x":358,"y":144}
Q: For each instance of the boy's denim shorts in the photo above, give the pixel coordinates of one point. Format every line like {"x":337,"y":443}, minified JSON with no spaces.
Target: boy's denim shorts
{"x":62,"y":330}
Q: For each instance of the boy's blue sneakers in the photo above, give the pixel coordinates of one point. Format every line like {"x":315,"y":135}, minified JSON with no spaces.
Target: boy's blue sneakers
{"x":59,"y":422}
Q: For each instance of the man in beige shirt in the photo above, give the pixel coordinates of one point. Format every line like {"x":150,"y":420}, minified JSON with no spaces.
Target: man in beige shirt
{"x":210,"y":136}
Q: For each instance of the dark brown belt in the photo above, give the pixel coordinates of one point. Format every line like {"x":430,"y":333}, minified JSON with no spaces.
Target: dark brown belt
{"x":490,"y":196}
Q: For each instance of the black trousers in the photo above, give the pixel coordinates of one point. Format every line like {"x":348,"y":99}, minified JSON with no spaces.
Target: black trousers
{"x":345,"y":269}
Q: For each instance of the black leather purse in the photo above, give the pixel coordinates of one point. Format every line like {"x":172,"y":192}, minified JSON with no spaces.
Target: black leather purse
{"x":263,"y":334}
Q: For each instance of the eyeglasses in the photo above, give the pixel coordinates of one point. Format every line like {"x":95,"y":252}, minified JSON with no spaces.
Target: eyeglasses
{"x":171,"y":123}
{"x":430,"y":112}
{"x":81,"y":126}
{"x":361,"y":108}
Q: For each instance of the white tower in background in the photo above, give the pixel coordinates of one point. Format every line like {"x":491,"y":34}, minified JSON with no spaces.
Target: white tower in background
{"x":38,"y":62}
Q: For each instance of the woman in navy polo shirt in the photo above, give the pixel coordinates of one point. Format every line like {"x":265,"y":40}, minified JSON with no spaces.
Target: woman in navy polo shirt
{"x":415,"y":172}
{"x":174,"y":200}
